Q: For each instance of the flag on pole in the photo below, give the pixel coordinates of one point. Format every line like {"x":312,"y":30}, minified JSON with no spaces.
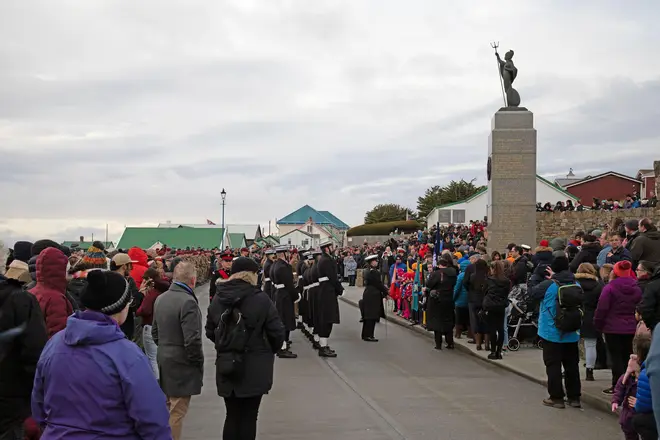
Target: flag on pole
{"x":209,"y":222}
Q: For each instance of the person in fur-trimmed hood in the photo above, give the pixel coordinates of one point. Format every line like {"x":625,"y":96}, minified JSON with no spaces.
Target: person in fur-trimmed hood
{"x":541,"y":260}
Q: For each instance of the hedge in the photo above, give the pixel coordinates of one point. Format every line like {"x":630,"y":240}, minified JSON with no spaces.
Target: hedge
{"x":384,"y":228}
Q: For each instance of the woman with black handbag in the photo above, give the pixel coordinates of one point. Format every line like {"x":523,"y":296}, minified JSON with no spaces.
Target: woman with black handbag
{"x":440,"y":314}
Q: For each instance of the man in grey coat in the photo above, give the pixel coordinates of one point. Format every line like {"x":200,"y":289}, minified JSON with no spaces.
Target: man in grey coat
{"x":177,"y":330}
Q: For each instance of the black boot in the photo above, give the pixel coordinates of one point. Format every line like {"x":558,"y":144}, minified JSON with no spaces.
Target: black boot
{"x":316,"y":345}
{"x":492,"y":355}
{"x":590,"y":375}
{"x":286,"y":354}
{"x":327,"y":353}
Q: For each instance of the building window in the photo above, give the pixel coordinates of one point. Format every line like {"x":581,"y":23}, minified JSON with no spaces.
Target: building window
{"x":458,"y":215}
{"x":309,"y":229}
{"x":444,"y":216}
{"x":289,"y":241}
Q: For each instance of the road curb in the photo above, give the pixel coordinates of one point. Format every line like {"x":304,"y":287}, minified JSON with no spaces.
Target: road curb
{"x":587,"y":398}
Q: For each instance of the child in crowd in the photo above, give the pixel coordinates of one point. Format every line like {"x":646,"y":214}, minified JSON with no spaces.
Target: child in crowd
{"x":405,"y":310}
{"x":643,"y":420}
{"x":624,"y":398}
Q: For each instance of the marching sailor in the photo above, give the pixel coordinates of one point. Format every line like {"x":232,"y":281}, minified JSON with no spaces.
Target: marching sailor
{"x":285,"y":297}
{"x":223,"y":272}
{"x":372,"y":299}
{"x":312,"y":292}
{"x":270,"y":257}
{"x":301,"y":266}
{"x":327,"y":304}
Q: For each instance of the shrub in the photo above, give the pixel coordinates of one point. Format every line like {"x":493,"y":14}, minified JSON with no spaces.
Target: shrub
{"x":384,"y":228}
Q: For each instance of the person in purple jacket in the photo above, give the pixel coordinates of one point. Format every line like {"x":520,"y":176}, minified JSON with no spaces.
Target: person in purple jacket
{"x":615,"y":317}
{"x":92,"y":382}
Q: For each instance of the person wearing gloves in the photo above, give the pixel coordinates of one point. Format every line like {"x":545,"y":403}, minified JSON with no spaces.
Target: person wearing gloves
{"x":115,"y":394}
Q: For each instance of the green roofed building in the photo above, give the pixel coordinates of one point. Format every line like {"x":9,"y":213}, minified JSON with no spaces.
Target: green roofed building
{"x":236,"y":241}
{"x":320,"y":225}
{"x":177,"y":238}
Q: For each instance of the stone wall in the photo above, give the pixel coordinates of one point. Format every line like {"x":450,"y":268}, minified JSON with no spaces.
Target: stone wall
{"x":564,"y":224}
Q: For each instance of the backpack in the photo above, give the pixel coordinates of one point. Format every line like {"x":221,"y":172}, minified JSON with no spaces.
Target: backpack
{"x":231,"y":339}
{"x":570,"y":299}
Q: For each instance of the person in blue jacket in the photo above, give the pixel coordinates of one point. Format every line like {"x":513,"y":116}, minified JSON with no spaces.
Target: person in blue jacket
{"x":461,"y":302}
{"x":91,"y":382}
{"x":559,"y":349}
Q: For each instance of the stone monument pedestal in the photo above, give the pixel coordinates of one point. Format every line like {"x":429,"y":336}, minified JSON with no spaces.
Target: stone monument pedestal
{"x":512,"y":179}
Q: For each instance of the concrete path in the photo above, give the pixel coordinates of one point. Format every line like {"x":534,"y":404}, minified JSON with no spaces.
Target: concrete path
{"x":527,"y":362}
{"x":398,"y":388}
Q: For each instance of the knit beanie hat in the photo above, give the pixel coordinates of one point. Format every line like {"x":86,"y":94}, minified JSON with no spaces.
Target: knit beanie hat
{"x":623,"y":269}
{"x":544,"y":243}
{"x":106,"y":292}
{"x":99,"y":245}
{"x":40,"y":245}
{"x":244,"y":264}
{"x":94,"y":258}
{"x":559,"y":264}
{"x":22,"y":251}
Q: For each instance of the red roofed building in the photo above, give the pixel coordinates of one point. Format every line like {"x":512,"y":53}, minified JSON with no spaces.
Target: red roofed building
{"x":609,"y":185}
{"x":648,"y":183}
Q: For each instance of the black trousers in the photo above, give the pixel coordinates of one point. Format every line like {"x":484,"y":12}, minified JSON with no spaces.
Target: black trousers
{"x":351,"y":280}
{"x":556,"y":355}
{"x":495,"y":320}
{"x":644,"y":425}
{"x":620,"y":348}
{"x":368,"y":328}
{"x":16,"y":432}
{"x":361,"y":307}
{"x":324,"y":330}
{"x":449,"y":338}
{"x":241,"y":419}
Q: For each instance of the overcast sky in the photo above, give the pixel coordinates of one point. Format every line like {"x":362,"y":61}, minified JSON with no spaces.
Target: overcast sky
{"x":134,"y":113}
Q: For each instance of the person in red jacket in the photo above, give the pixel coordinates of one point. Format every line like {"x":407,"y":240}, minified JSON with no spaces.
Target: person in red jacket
{"x":50,"y":289}
{"x":153,"y":285}
{"x":140,"y":266}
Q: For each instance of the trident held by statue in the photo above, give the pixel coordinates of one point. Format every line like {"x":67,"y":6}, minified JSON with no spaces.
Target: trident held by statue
{"x":495,"y":45}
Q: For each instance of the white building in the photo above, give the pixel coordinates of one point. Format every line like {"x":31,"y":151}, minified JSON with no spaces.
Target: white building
{"x":476,"y":207}
{"x":301,"y":239}
{"x":322,"y":225}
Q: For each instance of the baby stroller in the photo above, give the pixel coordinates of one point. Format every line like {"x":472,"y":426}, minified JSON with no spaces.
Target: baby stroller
{"x":523,"y":321}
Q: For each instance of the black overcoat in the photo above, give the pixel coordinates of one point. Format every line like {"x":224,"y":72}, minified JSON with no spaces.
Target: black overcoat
{"x":326,"y":308}
{"x":440,"y":316}
{"x":285,"y":293}
{"x":372,"y":297}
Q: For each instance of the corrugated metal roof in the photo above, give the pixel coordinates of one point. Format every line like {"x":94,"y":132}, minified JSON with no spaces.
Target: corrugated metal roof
{"x":250,"y":231}
{"x":179,"y":238}
{"x":236,"y":240}
{"x":301,"y":215}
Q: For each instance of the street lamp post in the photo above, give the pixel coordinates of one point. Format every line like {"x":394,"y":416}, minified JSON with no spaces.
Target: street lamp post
{"x":223,"y":194}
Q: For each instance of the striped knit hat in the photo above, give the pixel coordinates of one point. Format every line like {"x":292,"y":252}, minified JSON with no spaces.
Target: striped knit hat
{"x":94,"y":258}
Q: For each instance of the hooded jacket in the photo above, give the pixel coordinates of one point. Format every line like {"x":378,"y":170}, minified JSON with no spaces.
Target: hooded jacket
{"x":460,"y":292}
{"x":646,"y":247}
{"x":19,"y":357}
{"x":497,"y":294}
{"x":592,"y":288}
{"x":541,"y":260}
{"x":50,"y":289}
{"x":266,"y":334}
{"x":616,"y":307}
{"x":649,"y":308}
{"x":588,"y":254}
{"x":140,"y":267}
{"x":115,"y":394}
{"x":548,"y":291}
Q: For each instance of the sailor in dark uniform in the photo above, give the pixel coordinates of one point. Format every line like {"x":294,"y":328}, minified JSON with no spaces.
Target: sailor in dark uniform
{"x":372,"y":299}
{"x":286,"y":296}
{"x":327,"y":304}
{"x":299,"y":269}
{"x":223,"y":272}
{"x":312,"y":293}
{"x":270,"y":257}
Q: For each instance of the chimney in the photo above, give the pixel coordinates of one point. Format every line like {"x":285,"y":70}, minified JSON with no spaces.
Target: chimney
{"x":82,"y":238}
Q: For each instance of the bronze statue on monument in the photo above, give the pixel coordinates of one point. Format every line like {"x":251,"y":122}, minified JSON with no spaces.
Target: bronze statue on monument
{"x":507,"y":73}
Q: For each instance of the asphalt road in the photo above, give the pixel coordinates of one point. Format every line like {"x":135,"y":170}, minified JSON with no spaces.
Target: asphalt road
{"x":398,"y":388}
